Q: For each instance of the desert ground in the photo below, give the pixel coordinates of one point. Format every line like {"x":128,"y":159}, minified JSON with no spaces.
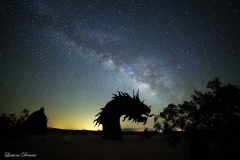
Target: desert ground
{"x":90,"y":146}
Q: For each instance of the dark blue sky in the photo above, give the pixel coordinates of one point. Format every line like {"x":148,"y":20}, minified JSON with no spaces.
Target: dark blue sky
{"x":70,"y":56}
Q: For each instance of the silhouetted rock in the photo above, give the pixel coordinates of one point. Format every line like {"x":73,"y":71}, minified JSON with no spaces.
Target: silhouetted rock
{"x":36,"y":123}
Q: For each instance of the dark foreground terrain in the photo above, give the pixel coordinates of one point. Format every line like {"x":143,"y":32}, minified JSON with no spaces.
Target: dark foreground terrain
{"x":90,"y":146}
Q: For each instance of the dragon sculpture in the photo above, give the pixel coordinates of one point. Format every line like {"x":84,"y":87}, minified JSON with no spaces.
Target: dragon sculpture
{"x":121,"y":104}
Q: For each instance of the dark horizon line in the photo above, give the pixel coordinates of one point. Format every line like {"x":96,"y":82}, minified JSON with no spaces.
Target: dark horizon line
{"x":123,"y":129}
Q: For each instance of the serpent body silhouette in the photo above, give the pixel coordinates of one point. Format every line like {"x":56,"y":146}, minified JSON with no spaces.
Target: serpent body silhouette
{"x":121,"y":104}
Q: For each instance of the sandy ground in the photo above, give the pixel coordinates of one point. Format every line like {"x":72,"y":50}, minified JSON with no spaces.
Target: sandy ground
{"x":67,"y":147}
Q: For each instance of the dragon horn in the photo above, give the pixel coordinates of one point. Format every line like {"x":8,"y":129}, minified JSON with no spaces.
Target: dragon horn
{"x":137,"y":96}
{"x":114,"y":95}
{"x":119,"y":94}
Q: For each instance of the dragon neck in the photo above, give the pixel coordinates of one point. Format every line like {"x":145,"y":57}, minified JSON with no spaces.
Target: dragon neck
{"x":119,"y":106}
{"x":116,"y":108}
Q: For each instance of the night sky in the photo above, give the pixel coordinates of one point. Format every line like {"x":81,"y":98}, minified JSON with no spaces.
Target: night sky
{"x":71,"y":56}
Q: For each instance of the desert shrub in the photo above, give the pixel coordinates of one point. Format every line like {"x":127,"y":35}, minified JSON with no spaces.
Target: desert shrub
{"x":11,"y":124}
{"x":146,"y":133}
{"x":98,"y":132}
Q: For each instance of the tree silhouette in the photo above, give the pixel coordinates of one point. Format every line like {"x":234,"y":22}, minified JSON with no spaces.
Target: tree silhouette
{"x":217,"y":109}
{"x":11,"y":124}
{"x":23,"y":124}
{"x":210,"y":117}
{"x":157,"y":125}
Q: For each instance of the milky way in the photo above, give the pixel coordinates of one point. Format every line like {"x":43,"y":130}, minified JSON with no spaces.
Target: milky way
{"x":72,"y":56}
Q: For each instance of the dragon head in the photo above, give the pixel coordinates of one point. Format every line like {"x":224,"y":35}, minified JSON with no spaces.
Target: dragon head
{"x":137,"y":111}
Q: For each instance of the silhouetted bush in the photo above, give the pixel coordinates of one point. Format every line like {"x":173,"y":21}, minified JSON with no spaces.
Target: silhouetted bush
{"x":98,"y":132}
{"x":11,"y":124}
{"x":146,"y":133}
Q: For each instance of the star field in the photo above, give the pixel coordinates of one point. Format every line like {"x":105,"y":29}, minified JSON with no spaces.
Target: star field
{"x":71,"y":56}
